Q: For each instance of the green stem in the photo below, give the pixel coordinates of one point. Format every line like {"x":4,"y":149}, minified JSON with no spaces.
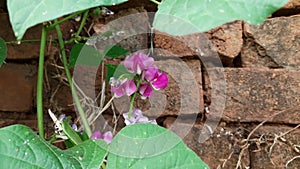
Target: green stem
{"x":52,"y":26}
{"x":85,"y":15}
{"x":69,"y":77}
{"x":131,"y":104}
{"x":156,"y":2}
{"x":71,"y":41}
{"x":133,"y":97}
{"x":22,"y":41}
{"x":39,"y":95}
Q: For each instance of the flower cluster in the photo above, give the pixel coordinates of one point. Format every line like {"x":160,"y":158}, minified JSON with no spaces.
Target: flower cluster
{"x":148,"y":77}
{"x":137,"y":118}
{"x":107,"y":136}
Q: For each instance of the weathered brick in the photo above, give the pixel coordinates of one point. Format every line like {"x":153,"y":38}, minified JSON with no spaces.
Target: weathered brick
{"x":131,"y":26}
{"x":184,"y":92}
{"x":253,"y":95}
{"x":179,"y":46}
{"x":226,"y":40}
{"x":16,"y":86}
{"x":23,"y":50}
{"x":293,"y":4}
{"x":275,"y":43}
{"x":267,"y":155}
{"x":26,"y":118}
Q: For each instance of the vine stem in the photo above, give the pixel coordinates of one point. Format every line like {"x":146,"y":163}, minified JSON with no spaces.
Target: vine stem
{"x":63,"y":20}
{"x":156,"y":2}
{"x":69,"y":77}
{"x":133,"y":97}
{"x":24,"y":41}
{"x":71,"y":41}
{"x":39,"y":95}
{"x":85,"y":15}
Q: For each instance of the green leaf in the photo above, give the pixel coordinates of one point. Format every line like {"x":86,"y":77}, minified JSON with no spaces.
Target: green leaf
{"x":82,"y":54}
{"x":178,"y":17}
{"x":117,"y":71}
{"x":20,"y":147}
{"x":3,"y":51}
{"x":25,"y":14}
{"x":114,"y":51}
{"x":150,"y":146}
{"x":71,"y":133}
{"x":84,"y":136}
{"x":93,"y":151}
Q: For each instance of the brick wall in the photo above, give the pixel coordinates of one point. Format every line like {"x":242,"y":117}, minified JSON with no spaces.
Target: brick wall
{"x":260,"y":70}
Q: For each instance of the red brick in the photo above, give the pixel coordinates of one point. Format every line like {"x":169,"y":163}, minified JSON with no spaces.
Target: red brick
{"x":275,"y":43}
{"x":131,"y":26}
{"x":226,"y":40}
{"x":23,"y":50}
{"x":253,"y":95}
{"x":16,"y":86}
{"x":26,"y":118}
{"x":184,"y":92}
{"x":292,"y":4}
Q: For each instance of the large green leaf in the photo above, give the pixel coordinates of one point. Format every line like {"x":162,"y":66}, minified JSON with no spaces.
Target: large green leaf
{"x":3,"y":51}
{"x":114,"y":51}
{"x":24,"y":14}
{"x":82,"y":54}
{"x":152,"y":147}
{"x":181,"y":17}
{"x":20,"y":147}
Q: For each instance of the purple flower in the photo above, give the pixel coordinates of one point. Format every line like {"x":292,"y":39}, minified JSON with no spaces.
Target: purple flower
{"x":145,"y":90}
{"x":127,"y":87}
{"x":138,"y":62}
{"x":136,"y":118}
{"x":107,"y":136}
{"x":160,"y":81}
{"x":151,"y":73}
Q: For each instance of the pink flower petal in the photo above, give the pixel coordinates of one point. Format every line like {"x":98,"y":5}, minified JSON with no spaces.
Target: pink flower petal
{"x":161,"y":81}
{"x":151,"y":73}
{"x":146,"y":60}
{"x":145,"y":90}
{"x":118,"y":92}
{"x":130,"y":64}
{"x":138,"y":62}
{"x":96,"y":135}
{"x":107,"y":137}
{"x":136,"y":118}
{"x":129,"y":87}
